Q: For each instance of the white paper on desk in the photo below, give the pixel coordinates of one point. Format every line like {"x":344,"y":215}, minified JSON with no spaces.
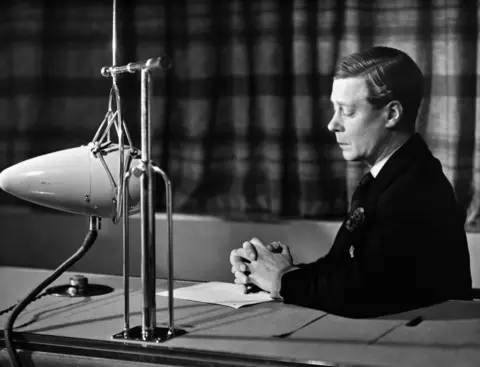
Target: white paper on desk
{"x":220,"y":293}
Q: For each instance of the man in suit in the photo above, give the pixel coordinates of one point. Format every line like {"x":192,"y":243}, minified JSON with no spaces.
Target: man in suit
{"x":403,"y":243}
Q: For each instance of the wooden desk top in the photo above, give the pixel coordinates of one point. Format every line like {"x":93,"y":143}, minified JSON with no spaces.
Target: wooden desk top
{"x":449,"y":334}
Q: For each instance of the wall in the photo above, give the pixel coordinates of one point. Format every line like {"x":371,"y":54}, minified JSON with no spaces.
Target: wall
{"x":44,"y":239}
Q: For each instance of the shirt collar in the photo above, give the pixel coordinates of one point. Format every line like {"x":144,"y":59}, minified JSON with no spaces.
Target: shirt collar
{"x":379,"y":165}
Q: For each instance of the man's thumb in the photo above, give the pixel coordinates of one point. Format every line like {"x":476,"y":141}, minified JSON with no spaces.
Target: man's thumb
{"x":286,"y":250}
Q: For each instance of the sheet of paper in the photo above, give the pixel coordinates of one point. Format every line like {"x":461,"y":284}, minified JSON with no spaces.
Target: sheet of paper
{"x":220,"y":293}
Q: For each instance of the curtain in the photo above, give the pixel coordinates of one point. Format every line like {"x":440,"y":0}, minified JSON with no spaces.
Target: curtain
{"x":240,"y":122}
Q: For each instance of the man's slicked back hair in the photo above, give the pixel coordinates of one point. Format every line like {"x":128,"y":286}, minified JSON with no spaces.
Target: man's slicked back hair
{"x":390,"y":75}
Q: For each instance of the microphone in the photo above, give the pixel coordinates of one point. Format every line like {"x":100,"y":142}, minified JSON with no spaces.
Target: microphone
{"x":81,"y":180}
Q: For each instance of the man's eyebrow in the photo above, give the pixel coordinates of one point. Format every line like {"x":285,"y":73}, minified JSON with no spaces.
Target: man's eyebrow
{"x":344,"y":104}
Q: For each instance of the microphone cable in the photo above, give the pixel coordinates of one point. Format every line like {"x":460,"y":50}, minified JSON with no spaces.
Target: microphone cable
{"x":8,"y":309}
{"x":35,"y":293}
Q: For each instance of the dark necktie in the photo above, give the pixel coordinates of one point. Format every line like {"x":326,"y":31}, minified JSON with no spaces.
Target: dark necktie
{"x":360,"y":193}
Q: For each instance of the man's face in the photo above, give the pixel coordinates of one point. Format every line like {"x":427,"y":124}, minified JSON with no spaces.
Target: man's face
{"x":359,"y":128}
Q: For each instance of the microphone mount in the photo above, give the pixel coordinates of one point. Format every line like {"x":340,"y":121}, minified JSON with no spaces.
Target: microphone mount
{"x":148,"y":331}
{"x":162,"y":62}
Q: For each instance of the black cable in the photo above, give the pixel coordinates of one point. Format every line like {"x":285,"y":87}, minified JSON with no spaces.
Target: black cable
{"x":8,"y":309}
{"x":87,"y":243}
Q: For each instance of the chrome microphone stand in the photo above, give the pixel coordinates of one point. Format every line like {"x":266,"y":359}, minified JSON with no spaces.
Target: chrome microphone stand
{"x":148,"y":331}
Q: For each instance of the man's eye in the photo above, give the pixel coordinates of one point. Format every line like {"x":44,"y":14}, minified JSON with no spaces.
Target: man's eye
{"x":343,"y":112}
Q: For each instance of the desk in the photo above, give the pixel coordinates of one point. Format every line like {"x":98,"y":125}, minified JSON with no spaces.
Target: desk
{"x":59,"y":331}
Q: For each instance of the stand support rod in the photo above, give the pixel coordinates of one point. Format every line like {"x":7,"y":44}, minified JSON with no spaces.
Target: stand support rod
{"x":147,"y":213}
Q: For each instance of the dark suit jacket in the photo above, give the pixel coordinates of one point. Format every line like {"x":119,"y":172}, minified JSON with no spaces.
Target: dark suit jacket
{"x":409,"y":249}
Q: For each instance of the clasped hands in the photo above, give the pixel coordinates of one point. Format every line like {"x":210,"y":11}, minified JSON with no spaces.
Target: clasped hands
{"x":259,"y":264}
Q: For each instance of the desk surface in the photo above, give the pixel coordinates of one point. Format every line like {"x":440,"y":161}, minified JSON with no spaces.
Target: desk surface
{"x":449,"y":334}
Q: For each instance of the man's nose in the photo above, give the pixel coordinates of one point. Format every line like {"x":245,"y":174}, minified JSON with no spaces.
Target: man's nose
{"x":334,"y":125}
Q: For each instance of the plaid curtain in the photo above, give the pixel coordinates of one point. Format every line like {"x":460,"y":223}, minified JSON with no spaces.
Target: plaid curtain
{"x":239,"y":122}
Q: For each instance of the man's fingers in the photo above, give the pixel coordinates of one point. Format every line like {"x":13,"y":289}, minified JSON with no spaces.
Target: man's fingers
{"x":241,"y":278}
{"x":286,"y":250}
{"x":250,"y":251}
{"x":242,"y":267}
{"x":255,"y":241}
{"x":238,"y":256}
{"x":276,"y":247}
{"x":246,"y":253}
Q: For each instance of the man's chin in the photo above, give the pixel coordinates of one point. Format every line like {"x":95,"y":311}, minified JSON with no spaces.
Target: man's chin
{"x":348,"y":156}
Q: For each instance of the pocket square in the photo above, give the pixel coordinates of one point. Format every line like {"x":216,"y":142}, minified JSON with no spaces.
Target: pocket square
{"x":355,"y":220}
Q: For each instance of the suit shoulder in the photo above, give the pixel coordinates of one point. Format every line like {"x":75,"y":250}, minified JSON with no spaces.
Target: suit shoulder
{"x":423,"y":185}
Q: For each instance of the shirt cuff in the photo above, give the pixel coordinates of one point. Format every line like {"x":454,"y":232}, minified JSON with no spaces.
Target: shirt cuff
{"x":277,"y":283}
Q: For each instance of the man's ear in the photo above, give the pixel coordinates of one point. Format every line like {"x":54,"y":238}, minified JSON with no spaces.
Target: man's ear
{"x":394,"y":112}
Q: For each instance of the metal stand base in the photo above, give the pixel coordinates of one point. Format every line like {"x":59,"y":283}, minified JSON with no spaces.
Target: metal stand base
{"x":68,"y":290}
{"x":159,"y":335}
{"x":79,"y":287}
